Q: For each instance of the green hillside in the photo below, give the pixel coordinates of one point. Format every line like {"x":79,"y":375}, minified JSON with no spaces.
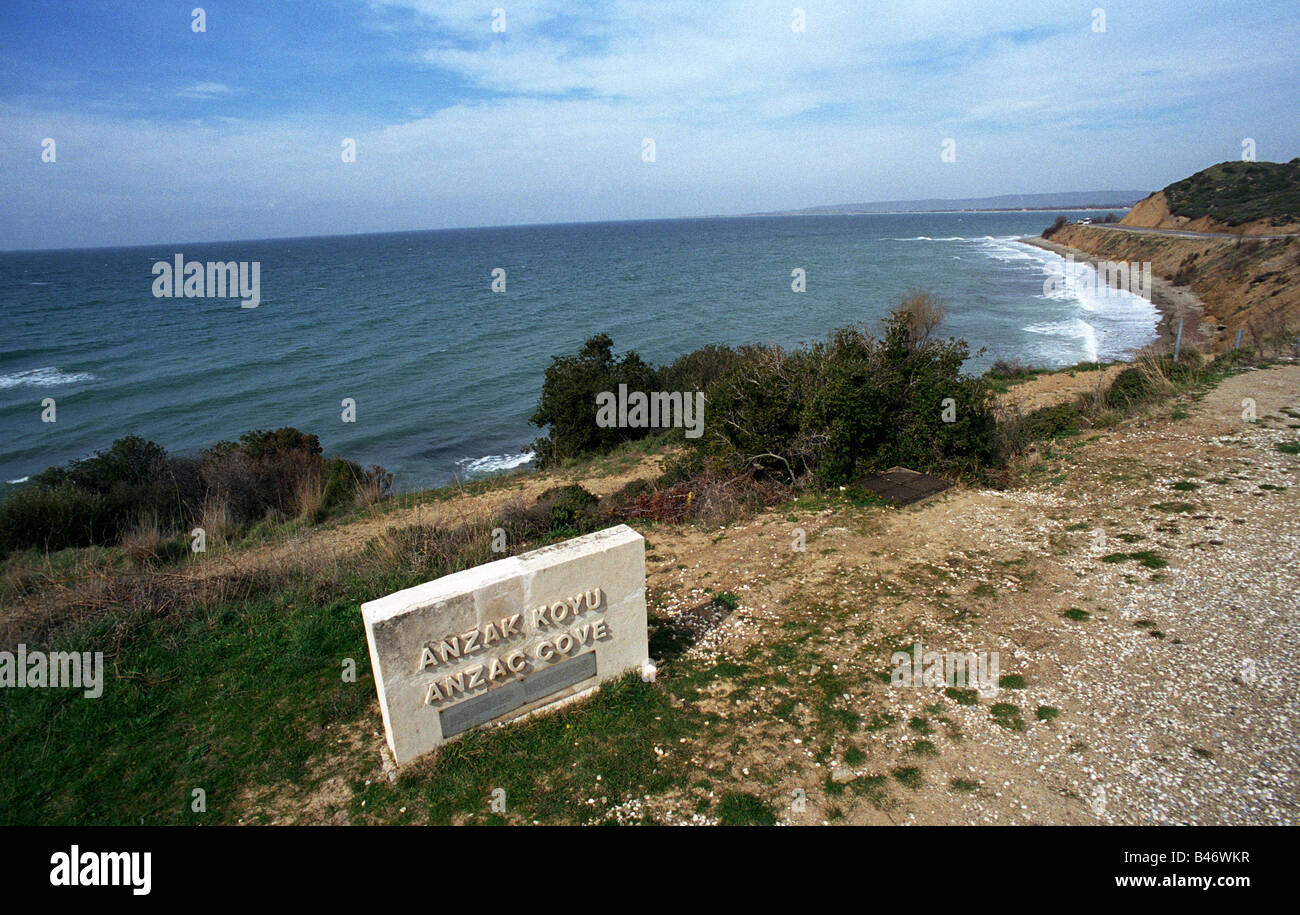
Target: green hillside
{"x":1237,"y":192}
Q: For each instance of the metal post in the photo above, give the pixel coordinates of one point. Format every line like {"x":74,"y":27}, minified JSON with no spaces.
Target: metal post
{"x":1240,"y":331}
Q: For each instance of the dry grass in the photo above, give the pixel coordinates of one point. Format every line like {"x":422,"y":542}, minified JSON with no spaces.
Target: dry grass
{"x":142,"y":543}
{"x":309,"y":495}
{"x":215,"y":519}
{"x":1151,"y":364}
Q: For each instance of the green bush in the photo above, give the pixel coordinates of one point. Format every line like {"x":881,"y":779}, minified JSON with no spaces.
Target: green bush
{"x":1128,"y":389}
{"x":339,"y":481}
{"x":97,"y":499}
{"x":1051,"y":422}
{"x":568,"y":400}
{"x":53,"y":518}
{"x":260,"y":474}
{"x":852,"y":405}
{"x":569,"y":507}
{"x":835,"y":410}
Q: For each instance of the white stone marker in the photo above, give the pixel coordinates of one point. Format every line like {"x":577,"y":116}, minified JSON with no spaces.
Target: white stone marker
{"x":504,"y":639}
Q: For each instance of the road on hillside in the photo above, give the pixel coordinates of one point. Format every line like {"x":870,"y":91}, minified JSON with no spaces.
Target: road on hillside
{"x":1181,"y":233}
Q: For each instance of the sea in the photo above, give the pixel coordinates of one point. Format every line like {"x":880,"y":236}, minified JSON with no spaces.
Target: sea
{"x":424,"y":352}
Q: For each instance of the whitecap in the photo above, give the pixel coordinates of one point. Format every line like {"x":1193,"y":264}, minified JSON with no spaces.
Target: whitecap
{"x":1072,"y":329}
{"x":42,"y":378}
{"x":494,"y":463}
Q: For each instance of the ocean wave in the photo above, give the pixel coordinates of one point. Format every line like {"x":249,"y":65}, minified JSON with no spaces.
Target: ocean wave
{"x":495,"y":463}
{"x":1074,"y":329}
{"x":42,"y":378}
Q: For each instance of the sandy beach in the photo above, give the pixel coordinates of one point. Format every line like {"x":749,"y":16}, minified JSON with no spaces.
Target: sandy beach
{"x":1174,"y":302}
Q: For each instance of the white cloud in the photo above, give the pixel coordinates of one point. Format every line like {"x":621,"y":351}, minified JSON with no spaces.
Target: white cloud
{"x":205,"y":90}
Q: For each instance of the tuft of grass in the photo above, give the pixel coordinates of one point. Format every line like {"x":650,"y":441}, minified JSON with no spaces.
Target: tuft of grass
{"x":1078,"y":614}
{"x":1008,"y":716}
{"x":961,"y":784}
{"x":1011,"y":681}
{"x":925,"y":748}
{"x":908,"y":777}
{"x":1047,"y":713}
{"x":726,"y":600}
{"x":742,"y":809}
{"x":962,"y":696}
{"x":1148,"y":558}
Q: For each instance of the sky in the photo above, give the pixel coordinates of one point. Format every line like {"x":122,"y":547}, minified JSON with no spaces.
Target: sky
{"x":500,"y":113}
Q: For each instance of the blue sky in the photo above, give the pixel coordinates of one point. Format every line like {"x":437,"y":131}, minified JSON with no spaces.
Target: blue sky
{"x":163,"y":134}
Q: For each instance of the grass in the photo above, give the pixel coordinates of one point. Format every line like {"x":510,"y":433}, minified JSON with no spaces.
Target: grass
{"x":219,"y":702}
{"x":908,"y":777}
{"x":246,"y":699}
{"x":1047,"y":713}
{"x":1289,"y":447}
{"x":1008,"y":716}
{"x":738,"y":809}
{"x":1147,"y":558}
{"x":962,"y":696}
{"x":727,"y":600}
{"x":962,"y":784}
{"x":1077,"y":614}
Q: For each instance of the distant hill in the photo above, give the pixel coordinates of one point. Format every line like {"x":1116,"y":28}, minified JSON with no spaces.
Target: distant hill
{"x":1075,"y":200}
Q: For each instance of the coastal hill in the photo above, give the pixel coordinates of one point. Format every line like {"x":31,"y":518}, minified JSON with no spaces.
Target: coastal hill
{"x":1246,"y":283}
{"x":1248,"y":198}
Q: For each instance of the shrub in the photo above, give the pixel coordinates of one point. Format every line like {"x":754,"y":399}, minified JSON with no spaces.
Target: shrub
{"x":1051,"y":422}
{"x":1055,"y":227}
{"x":259,"y":475}
{"x":852,"y":404}
{"x":130,"y":461}
{"x":698,"y":369}
{"x":340,"y":479}
{"x":569,"y":507}
{"x":1128,"y":389}
{"x":568,"y":400}
{"x":54,"y":518}
{"x":133,"y":493}
{"x":834,"y":410}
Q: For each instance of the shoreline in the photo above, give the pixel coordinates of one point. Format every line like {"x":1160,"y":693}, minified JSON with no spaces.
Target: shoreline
{"x":1173,"y":302}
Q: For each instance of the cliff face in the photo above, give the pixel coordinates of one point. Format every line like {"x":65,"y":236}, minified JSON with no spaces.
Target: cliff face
{"x":1244,"y":283}
{"x":1153,"y":213}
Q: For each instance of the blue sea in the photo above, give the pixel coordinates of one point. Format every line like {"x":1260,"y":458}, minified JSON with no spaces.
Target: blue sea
{"x":443,"y":370}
